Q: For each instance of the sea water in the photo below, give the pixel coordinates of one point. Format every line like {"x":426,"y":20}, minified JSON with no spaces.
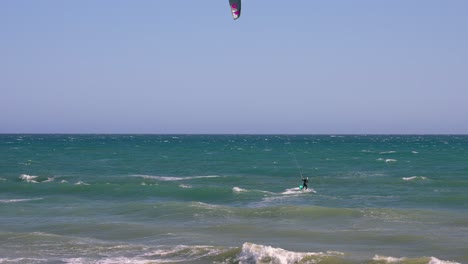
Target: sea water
{"x":233,"y":199}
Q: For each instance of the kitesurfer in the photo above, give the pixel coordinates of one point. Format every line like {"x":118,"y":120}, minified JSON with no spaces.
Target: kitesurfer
{"x":304,"y":182}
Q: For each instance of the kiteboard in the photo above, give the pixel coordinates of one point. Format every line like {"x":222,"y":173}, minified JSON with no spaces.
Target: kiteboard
{"x":308,"y":190}
{"x":301,"y":188}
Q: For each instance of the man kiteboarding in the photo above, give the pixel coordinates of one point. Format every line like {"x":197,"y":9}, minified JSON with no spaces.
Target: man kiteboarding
{"x":304,"y":183}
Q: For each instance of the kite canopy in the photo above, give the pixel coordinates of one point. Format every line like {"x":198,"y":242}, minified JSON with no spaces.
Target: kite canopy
{"x":235,"y":8}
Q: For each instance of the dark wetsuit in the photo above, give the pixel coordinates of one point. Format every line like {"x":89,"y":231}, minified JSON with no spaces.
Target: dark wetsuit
{"x":304,"y":184}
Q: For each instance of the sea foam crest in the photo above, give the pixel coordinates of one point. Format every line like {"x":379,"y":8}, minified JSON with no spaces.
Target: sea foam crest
{"x":438,"y":261}
{"x":431,"y":260}
{"x":388,"y":259}
{"x":110,"y":260}
{"x":169,"y":178}
{"x":82,"y":183}
{"x":387,"y":160}
{"x":387,"y":152}
{"x":241,"y":190}
{"x":22,"y":260}
{"x":238,"y":189}
{"x":18,"y":200}
{"x":412,"y":178}
{"x":28,"y":178}
{"x":253,"y":253}
{"x":35,"y":179}
{"x":194,"y":251}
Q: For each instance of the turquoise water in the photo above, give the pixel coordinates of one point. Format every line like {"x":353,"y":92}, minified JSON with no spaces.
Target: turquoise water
{"x":233,"y":199}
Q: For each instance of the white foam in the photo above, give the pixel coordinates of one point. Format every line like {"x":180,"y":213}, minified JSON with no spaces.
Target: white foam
{"x":438,"y":261}
{"x":292,"y":191}
{"x":35,"y":179}
{"x":253,"y":253}
{"x":298,"y":191}
{"x":81,"y":183}
{"x":74,"y":260}
{"x":22,"y":260}
{"x":412,"y":178}
{"x":388,"y":259}
{"x":238,"y":190}
{"x":115,"y":260}
{"x":169,"y":178}
{"x":414,"y":152}
{"x":185,"y":186}
{"x":181,"y":253}
{"x":390,"y":160}
{"x":388,"y":152}
{"x":19,"y":200}
{"x":28,"y":178}
{"x":431,"y":260}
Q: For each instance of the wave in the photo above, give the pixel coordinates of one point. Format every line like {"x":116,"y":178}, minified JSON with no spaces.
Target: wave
{"x":412,"y":178}
{"x":81,"y":183}
{"x":387,"y":160}
{"x":428,"y":260}
{"x":35,"y":179}
{"x":171,"y":178}
{"x":387,"y":152}
{"x":28,"y":178}
{"x":213,"y":212}
{"x":40,"y":179}
{"x":22,"y":260}
{"x":19,"y":200}
{"x":238,"y":190}
{"x":49,"y":248}
{"x":253,"y":253}
{"x":74,"y":250}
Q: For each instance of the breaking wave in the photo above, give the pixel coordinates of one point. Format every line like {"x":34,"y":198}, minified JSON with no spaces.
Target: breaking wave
{"x":73,"y":250}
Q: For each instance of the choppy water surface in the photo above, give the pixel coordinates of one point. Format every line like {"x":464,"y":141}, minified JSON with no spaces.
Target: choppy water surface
{"x":233,"y":199}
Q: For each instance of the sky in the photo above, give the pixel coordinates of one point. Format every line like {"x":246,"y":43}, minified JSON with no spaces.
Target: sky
{"x":186,"y":67}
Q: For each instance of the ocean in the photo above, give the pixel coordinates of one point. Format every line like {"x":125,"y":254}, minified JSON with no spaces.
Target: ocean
{"x":233,"y":199}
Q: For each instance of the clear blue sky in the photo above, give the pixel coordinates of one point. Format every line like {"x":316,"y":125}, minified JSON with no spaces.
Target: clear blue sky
{"x":302,"y":66}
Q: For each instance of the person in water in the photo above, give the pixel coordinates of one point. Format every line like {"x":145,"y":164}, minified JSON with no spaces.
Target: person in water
{"x":304,"y":183}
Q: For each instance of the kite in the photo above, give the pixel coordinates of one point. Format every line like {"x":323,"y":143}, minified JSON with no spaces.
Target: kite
{"x":235,"y":8}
